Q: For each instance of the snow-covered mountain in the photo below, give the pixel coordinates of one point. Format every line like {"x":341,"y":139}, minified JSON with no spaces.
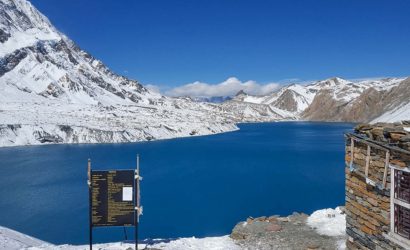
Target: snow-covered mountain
{"x":333,"y":99}
{"x":361,"y":101}
{"x":40,"y":62}
{"x":52,"y":91}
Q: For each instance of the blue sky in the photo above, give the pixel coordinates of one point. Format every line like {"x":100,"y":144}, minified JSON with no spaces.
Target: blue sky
{"x":171,"y":43}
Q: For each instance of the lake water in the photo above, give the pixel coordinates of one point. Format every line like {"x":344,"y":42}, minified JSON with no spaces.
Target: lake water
{"x":198,"y":186}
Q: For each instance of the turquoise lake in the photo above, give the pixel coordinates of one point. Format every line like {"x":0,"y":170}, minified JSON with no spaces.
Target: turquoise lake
{"x":197,"y":186}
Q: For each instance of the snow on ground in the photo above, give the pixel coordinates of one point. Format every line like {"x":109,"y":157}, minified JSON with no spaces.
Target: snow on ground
{"x":331,"y":222}
{"x":76,"y":123}
{"x":341,"y":244}
{"x":25,"y":39}
{"x":13,"y":240}
{"x":210,"y":243}
{"x":254,"y":99}
{"x":214,"y":243}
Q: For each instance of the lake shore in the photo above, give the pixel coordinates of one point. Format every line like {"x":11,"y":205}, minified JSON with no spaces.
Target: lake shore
{"x":323,"y":229}
{"x":226,"y":128}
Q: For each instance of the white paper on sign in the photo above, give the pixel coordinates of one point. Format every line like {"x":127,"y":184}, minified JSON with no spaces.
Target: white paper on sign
{"x":127,"y":193}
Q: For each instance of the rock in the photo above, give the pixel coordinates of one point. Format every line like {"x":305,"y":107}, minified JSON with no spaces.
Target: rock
{"x":398,"y":163}
{"x":396,"y":135}
{"x":249,"y":220}
{"x":378,"y":132}
{"x":405,"y":138}
{"x":237,"y":235}
{"x":405,"y":122}
{"x":273,"y":218}
{"x":283,"y":219}
{"x":272,"y":227}
{"x":262,"y":218}
{"x":239,"y":232}
{"x":396,"y":129}
{"x":313,"y":246}
{"x":363,"y":127}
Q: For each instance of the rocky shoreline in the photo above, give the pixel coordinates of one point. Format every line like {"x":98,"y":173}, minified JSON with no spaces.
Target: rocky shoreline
{"x":297,"y":231}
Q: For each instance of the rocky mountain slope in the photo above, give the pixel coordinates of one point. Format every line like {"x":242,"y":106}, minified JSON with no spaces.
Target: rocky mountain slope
{"x":52,"y":91}
{"x":362,"y":101}
{"x":333,"y":99}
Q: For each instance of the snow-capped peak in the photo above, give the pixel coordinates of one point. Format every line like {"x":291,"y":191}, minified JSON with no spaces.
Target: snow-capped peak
{"x":332,"y":82}
{"x":241,"y":93}
{"x":37,"y":62}
{"x":22,"y":25}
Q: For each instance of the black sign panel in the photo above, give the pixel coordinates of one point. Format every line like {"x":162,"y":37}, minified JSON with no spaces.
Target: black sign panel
{"x":113,"y":198}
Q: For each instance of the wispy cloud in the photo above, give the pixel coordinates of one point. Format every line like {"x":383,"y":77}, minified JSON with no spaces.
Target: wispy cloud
{"x":153,"y":87}
{"x":229,"y":87}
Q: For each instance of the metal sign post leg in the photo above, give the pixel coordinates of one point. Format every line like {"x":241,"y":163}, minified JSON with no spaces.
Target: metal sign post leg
{"x":137,"y":201}
{"x":89,"y":204}
{"x":136,"y":236}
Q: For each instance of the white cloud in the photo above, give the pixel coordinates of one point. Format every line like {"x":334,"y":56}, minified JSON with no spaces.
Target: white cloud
{"x":229,"y":87}
{"x":153,"y":88}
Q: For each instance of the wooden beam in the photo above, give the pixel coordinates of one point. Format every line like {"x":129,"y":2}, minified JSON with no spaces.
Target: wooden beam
{"x":376,"y":144}
{"x":386,"y":167}
{"x":366,"y":171}
{"x":351,"y":151}
{"x":391,"y":200}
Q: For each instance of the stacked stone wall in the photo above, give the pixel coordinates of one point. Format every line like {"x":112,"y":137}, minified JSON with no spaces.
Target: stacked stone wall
{"x":368,"y":197}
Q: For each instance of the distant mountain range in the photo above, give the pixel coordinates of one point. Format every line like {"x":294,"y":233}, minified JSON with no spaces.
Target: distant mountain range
{"x":53,"y":91}
{"x":212,"y":99}
{"x":332,"y":99}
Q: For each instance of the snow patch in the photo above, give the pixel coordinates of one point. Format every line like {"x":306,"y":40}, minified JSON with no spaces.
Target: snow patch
{"x":254,"y":99}
{"x":330,"y":222}
{"x":13,"y":240}
{"x":25,"y":39}
{"x":211,"y":243}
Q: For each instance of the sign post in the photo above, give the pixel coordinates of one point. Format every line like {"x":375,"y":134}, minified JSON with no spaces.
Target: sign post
{"x":90,"y":214}
{"x":114,"y":199}
{"x":138,"y":208}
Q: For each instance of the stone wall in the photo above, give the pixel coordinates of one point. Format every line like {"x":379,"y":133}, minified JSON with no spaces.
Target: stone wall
{"x":368,"y":196}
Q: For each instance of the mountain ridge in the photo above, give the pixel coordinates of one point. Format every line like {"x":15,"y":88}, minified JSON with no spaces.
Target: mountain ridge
{"x":52,"y":91}
{"x":333,"y":99}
